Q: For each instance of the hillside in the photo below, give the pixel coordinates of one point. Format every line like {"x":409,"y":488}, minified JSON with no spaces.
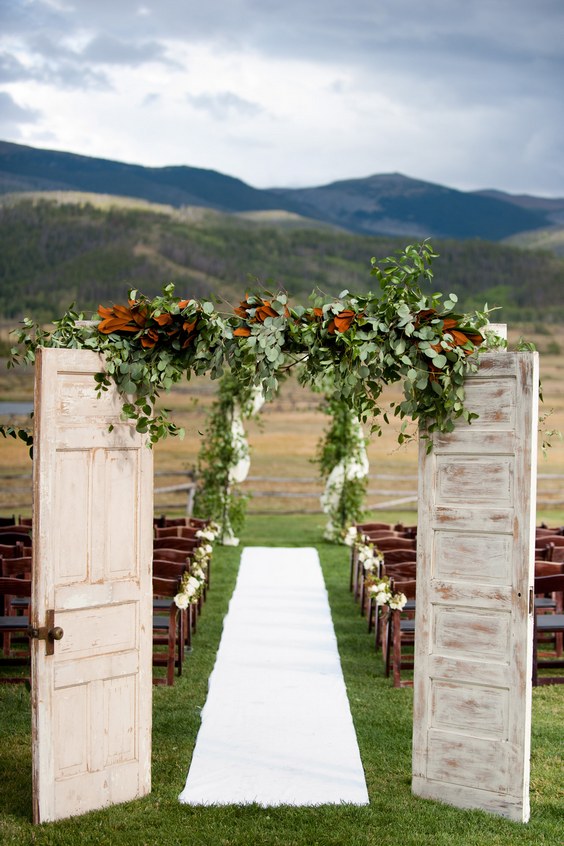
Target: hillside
{"x":90,"y":249}
{"x":394,"y":204}
{"x":386,"y":205}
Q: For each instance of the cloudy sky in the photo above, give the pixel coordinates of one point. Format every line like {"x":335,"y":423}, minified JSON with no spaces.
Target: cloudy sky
{"x":466,"y":93}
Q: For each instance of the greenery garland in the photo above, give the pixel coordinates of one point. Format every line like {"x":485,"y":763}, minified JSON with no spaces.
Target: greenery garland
{"x":363,"y":341}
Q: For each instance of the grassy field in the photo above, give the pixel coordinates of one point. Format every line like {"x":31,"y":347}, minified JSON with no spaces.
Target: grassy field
{"x":382,"y":717}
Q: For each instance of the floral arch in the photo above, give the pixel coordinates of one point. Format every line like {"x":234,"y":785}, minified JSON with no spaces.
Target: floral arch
{"x":364,"y":342}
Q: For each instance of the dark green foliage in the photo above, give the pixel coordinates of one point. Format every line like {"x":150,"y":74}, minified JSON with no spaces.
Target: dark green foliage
{"x":54,"y":254}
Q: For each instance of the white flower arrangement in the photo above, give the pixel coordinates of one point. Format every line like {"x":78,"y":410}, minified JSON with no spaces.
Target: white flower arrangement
{"x":193,"y":583}
{"x":191,"y":587}
{"x":381,"y":592}
{"x":350,"y":535}
{"x":206,"y":534}
{"x":370,"y":557}
{"x":202,"y":555}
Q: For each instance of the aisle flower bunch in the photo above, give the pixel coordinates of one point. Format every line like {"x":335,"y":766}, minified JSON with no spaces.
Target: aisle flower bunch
{"x":209,"y":533}
{"x":350,"y":536}
{"x":193,"y":582}
{"x":191,"y":588}
{"x":380,"y":590}
{"x":370,"y":557}
{"x":202,"y":556}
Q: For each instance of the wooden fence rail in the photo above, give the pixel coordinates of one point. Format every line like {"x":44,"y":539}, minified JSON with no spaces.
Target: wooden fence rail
{"x":273,"y":494}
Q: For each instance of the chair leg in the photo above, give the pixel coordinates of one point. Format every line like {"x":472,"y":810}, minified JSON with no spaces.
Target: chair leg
{"x":387,"y":640}
{"x":175,"y":645}
{"x":396,"y":647}
{"x":535,"y":651}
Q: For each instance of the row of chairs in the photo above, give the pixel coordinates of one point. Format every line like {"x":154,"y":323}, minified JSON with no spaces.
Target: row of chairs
{"x":176,"y":543}
{"x":15,"y":597}
{"x":395,"y":550}
{"x":395,"y":629}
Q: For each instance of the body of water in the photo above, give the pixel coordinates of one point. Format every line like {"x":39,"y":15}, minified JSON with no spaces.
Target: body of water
{"x":15,"y":409}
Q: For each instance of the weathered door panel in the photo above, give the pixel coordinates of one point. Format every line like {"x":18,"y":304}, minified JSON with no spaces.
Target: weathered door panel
{"x":92,"y":542}
{"x":472,"y":683}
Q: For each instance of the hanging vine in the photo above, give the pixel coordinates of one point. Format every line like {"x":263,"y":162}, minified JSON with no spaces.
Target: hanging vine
{"x":343,"y":465}
{"x":224,"y":458}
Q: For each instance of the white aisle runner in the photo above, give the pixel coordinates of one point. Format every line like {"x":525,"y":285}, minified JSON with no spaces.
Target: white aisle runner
{"x":276,"y":727}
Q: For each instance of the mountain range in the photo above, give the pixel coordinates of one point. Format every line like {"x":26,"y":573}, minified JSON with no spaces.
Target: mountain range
{"x":378,"y":205}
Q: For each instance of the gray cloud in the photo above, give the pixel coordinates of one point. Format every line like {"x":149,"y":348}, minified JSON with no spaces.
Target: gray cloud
{"x":151,"y":99}
{"x":12,"y":114}
{"x":105,"y":49}
{"x":225,"y":105}
{"x":11,"y":69}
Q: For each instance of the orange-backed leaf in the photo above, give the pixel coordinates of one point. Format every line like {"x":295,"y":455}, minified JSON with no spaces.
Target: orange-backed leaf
{"x":104,"y":311}
{"x":331,"y":327}
{"x":459,"y":338}
{"x":140,"y":318}
{"x":189,"y":326}
{"x":449,"y":323}
{"x":150,"y":338}
{"x":163,"y":319}
{"x":344,"y":319}
{"x":475,"y":337}
{"x":265,"y":311}
{"x":115,"y":324}
{"x":123,"y":312}
{"x":318,"y":312}
{"x":183,"y":303}
{"x":242,"y":332}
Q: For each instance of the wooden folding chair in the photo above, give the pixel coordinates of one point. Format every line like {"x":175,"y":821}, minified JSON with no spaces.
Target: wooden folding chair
{"x":548,"y":624}
{"x":8,"y":521}
{"x":176,"y":532}
{"x":15,"y":534}
{"x":15,"y":625}
{"x":366,"y":537}
{"x":401,"y":634}
{"x":168,"y":568}
{"x":12,"y":606}
{"x":12,"y":550}
{"x":171,"y":625}
{"x":184,"y":544}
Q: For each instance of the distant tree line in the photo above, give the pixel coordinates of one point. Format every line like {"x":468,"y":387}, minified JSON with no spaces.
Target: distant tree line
{"x":52,"y":255}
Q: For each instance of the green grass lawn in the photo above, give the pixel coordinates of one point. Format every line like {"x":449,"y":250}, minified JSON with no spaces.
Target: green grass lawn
{"x":382,"y":717}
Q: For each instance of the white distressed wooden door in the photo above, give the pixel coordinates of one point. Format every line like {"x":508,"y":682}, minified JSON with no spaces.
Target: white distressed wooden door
{"x":92,"y":542}
{"x":472,"y":682}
